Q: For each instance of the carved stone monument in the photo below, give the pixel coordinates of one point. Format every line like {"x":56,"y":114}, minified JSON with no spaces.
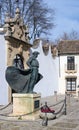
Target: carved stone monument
{"x":17,"y":41}
{"x":20,"y":79}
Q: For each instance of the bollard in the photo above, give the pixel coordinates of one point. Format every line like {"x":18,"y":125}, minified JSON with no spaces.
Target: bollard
{"x":45,"y":119}
{"x":68,"y":100}
{"x":78,"y":94}
{"x":55,"y":93}
{"x":65,"y":105}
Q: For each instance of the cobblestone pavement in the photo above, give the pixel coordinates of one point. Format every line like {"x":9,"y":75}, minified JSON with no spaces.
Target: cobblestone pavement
{"x":62,"y":122}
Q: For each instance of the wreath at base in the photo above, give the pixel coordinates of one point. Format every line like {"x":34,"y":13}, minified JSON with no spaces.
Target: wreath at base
{"x":50,"y":116}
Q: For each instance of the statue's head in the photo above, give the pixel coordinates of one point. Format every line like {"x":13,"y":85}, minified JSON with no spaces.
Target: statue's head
{"x":35,"y":53}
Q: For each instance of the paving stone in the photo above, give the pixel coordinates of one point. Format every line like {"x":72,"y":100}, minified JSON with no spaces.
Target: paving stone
{"x":15,"y":128}
{"x":65,"y":125}
{"x":58,"y":128}
{"x":1,"y":123}
{"x":6,"y":126}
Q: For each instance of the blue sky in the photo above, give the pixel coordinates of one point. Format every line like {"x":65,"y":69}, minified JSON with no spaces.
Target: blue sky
{"x":66,"y":16}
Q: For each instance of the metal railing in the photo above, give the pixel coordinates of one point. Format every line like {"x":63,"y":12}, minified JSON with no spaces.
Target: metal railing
{"x":44,"y":108}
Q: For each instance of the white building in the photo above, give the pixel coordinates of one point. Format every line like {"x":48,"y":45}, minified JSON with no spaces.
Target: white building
{"x":3,"y":83}
{"x":68,"y":66}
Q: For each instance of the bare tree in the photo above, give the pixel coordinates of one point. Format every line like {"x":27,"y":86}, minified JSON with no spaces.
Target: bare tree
{"x":34,"y":12}
{"x":73,"y":35}
{"x":40,"y":19}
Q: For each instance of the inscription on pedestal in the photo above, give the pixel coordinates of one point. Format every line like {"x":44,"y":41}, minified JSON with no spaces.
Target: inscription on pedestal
{"x":36,"y":104}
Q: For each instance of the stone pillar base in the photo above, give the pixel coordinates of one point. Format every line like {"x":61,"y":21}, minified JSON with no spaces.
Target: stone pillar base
{"x":26,"y":105}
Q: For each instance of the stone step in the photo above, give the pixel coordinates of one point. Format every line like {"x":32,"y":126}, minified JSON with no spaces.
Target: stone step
{"x":1,"y":123}
{"x":58,"y":128}
{"x":75,"y":121}
{"x":63,"y":126}
{"x":8,"y":126}
{"x":15,"y":128}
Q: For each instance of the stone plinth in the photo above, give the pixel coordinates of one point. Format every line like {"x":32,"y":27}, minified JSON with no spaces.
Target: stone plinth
{"x":25,"y":103}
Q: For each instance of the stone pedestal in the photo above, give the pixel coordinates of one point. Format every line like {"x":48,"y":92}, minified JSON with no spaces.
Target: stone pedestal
{"x":26,"y":104}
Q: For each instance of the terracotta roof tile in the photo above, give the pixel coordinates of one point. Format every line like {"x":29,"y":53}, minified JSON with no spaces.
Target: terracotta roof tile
{"x":68,"y":47}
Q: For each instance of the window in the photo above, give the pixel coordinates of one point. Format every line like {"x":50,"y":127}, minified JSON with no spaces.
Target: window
{"x":70,"y":63}
{"x":71,"y":84}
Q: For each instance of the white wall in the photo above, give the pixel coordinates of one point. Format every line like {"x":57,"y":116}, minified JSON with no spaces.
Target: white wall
{"x":77,"y":67}
{"x":3,"y":84}
{"x":48,"y":67}
{"x":62,"y":62}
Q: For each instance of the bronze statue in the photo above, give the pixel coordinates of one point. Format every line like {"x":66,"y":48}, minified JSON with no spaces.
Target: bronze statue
{"x":18,"y":61}
{"x":23,"y":81}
